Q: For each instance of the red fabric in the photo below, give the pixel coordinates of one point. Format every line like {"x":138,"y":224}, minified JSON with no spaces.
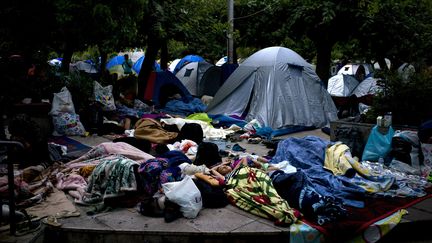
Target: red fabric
{"x":360,"y":218}
{"x":148,"y":95}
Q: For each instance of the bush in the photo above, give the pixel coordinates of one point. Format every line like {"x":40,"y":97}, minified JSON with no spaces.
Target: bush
{"x":81,"y":88}
{"x":408,"y":100}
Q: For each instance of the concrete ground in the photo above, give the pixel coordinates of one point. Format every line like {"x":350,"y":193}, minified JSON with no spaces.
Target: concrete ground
{"x":228,"y":224}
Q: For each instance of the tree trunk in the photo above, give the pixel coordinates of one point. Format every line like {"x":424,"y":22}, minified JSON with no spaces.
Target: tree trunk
{"x":153,"y":45}
{"x":67,"y":57}
{"x":103,"y":72}
{"x":164,"y":55}
{"x":324,"y":49}
{"x":147,"y":65}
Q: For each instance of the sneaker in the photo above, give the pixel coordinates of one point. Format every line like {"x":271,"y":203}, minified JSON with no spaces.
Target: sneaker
{"x":27,"y":227}
{"x":254,"y":140}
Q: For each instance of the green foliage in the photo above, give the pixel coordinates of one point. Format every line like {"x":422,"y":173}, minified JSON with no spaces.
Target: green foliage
{"x":408,"y":100}
{"x":80,"y":86}
{"x":197,"y":27}
{"x":91,"y":53}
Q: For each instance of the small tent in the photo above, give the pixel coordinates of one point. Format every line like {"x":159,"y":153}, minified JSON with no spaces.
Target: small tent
{"x":117,"y":60}
{"x":341,"y":85}
{"x":56,"y":62}
{"x":185,"y":60}
{"x":83,"y":66}
{"x":173,"y":64}
{"x":222,"y":61}
{"x":200,"y":78}
{"x":351,"y":69}
{"x":369,"y":86}
{"x":162,"y":85}
{"x":137,"y":65}
{"x":277,"y":87}
{"x":114,"y":66}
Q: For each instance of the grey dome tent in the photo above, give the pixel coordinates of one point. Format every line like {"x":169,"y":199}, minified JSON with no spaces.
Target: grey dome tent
{"x":341,"y":85}
{"x":200,"y":78}
{"x":277,"y":87}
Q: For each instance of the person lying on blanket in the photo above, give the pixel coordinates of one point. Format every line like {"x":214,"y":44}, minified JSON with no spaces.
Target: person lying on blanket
{"x":107,"y":148}
{"x":251,"y":189}
{"x":226,"y":167}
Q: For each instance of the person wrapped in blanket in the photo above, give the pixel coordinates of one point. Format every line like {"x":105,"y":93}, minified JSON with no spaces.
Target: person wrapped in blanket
{"x":251,"y":189}
{"x":292,"y":185}
{"x":297,"y":189}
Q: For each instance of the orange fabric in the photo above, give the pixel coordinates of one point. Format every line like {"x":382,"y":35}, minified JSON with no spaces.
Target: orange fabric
{"x":152,"y":130}
{"x":207,"y":178}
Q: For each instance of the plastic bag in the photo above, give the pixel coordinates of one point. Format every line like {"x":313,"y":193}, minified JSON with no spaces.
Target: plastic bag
{"x":378,"y":145}
{"x":427,"y":153}
{"x":105,"y":96}
{"x":186,"y":194}
{"x":62,"y":102}
{"x":252,"y":126}
{"x":406,"y":148}
{"x":68,"y":124}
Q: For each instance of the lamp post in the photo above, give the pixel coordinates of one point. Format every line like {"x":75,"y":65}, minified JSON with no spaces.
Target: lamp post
{"x":230,"y":31}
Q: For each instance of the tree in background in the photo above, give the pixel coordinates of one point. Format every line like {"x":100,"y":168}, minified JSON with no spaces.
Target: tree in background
{"x":398,"y":30}
{"x":325,"y":23}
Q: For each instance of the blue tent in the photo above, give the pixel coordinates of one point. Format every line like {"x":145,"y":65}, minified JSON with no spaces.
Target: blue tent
{"x":117,"y":60}
{"x":187,"y":59}
{"x":160,"y":84}
{"x":137,"y":66}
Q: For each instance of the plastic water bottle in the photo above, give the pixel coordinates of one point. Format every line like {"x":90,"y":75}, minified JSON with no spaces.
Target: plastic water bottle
{"x":388,"y":119}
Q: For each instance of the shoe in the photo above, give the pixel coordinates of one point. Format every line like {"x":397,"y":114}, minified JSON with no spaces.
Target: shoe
{"x":150,"y":209}
{"x":27,"y":226}
{"x":254,"y":140}
{"x":237,"y":147}
{"x":51,"y":221}
{"x":67,"y":214}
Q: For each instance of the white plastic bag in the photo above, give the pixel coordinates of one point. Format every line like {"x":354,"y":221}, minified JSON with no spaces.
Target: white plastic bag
{"x":186,"y":194}
{"x":105,"y":96}
{"x":252,"y":126}
{"x":427,"y":153}
{"x":62,"y":102}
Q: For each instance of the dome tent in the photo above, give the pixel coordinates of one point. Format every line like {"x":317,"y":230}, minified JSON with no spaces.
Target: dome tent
{"x":200,"y":78}
{"x":341,"y":85}
{"x":160,"y":85}
{"x":137,"y":65}
{"x":277,"y":87}
{"x":185,"y":60}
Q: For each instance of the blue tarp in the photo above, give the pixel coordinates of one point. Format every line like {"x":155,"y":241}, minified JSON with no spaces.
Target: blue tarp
{"x":226,"y":121}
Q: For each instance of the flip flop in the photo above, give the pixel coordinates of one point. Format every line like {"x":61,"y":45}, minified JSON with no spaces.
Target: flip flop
{"x":52,"y":221}
{"x":27,"y":227}
{"x":236,"y":147}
